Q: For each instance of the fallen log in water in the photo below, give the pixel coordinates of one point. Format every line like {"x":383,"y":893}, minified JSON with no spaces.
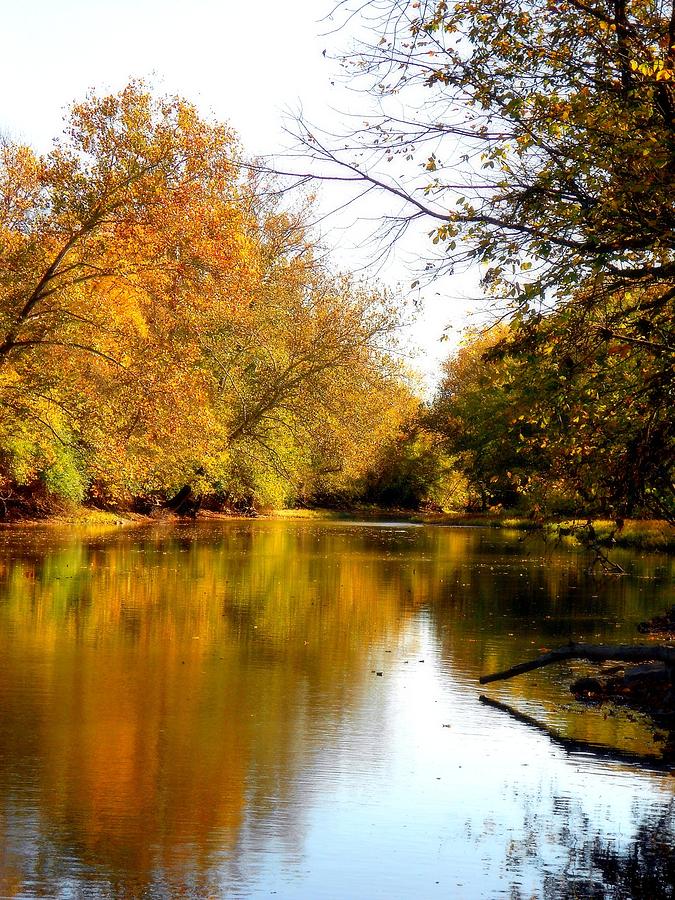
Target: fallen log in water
{"x":593,"y":653}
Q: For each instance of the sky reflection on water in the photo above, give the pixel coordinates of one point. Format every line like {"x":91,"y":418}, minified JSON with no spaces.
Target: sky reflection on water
{"x":197,"y":711}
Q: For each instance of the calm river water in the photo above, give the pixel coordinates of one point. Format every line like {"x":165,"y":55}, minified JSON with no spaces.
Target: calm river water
{"x":291,"y":708}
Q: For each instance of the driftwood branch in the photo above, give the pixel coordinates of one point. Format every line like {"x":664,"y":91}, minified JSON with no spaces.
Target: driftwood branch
{"x":592,"y":653}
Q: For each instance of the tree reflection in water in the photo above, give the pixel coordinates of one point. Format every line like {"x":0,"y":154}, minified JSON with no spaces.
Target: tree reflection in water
{"x":185,"y":709}
{"x":646,"y":868}
{"x":643,"y":870}
{"x":598,"y":869}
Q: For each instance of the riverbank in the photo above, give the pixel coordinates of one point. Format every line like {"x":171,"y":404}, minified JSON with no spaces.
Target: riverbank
{"x":79,"y":516}
{"x":86,"y":517}
{"x":636,"y":534}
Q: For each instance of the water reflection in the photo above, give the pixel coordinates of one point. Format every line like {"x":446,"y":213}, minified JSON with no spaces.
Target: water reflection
{"x":645,"y":868}
{"x":196,"y":711}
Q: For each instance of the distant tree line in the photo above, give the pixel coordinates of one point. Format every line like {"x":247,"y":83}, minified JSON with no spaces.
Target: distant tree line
{"x":549,"y":429}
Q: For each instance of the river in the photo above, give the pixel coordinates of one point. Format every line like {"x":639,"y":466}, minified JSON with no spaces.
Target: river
{"x":291,"y":708}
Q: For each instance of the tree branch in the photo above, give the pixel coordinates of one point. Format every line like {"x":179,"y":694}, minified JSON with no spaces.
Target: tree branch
{"x":590,"y":652}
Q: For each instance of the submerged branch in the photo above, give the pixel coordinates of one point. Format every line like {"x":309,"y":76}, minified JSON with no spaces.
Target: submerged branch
{"x":591,"y":652}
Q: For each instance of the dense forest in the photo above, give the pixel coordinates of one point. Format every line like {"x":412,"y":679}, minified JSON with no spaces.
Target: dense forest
{"x":534,"y":428}
{"x":165,"y":324}
{"x":536,"y":141}
{"x":171,"y":333}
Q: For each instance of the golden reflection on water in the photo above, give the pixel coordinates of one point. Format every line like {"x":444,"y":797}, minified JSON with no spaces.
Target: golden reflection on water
{"x":167,"y":691}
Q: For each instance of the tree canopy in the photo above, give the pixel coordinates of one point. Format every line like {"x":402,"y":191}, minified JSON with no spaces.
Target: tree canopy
{"x":536,"y":139}
{"x":544,"y":130}
{"x":163,"y":321}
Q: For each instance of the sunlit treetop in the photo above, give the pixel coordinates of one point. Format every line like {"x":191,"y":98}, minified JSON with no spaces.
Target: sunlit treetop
{"x":534,"y":137}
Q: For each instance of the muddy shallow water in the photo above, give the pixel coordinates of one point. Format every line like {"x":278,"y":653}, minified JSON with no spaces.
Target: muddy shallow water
{"x":290,"y":708}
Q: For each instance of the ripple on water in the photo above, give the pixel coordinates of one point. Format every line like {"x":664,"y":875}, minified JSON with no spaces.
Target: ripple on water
{"x":197,"y":711}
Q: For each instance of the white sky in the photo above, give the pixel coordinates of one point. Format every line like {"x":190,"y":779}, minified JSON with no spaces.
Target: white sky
{"x":246,"y":63}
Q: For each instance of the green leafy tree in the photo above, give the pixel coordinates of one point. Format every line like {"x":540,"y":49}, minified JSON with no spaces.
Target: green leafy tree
{"x":537,"y":141}
{"x":557,"y":423}
{"x":483,"y":410}
{"x":415,"y":471}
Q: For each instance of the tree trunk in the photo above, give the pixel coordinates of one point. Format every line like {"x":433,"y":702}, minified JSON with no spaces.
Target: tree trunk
{"x":184,"y":503}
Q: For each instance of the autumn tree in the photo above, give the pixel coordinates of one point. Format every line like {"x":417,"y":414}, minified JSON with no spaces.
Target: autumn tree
{"x":307,"y":381}
{"x":557,"y":425}
{"x":117,"y":248}
{"x":479,"y":410}
{"x":535,"y":139}
{"x":163,"y":323}
{"x":545,"y":130}
{"x":601,"y":411}
{"x":414,"y":470}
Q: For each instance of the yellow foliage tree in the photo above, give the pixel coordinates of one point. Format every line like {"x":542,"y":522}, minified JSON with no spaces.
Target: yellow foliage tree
{"x":155,"y":310}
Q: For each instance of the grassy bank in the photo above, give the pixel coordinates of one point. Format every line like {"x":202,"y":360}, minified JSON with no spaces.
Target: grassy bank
{"x":80,"y":517}
{"x":637,"y":534}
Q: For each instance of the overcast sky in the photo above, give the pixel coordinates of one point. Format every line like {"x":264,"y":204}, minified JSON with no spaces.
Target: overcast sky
{"x":246,"y":63}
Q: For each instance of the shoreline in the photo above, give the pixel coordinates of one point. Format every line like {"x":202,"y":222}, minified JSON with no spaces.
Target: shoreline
{"x":636,"y":534}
